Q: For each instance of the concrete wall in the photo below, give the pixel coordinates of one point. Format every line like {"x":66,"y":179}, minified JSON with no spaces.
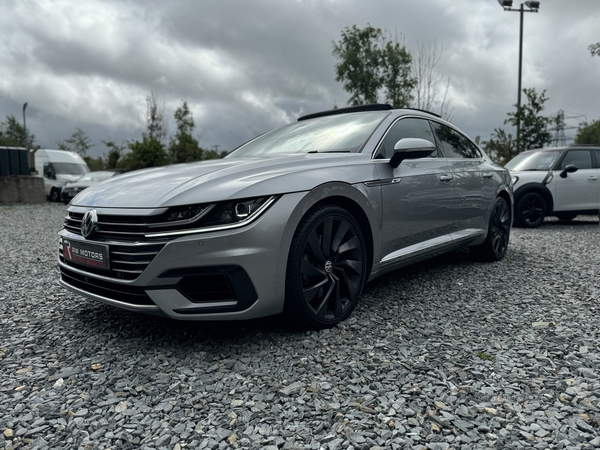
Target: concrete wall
{"x":22,"y":189}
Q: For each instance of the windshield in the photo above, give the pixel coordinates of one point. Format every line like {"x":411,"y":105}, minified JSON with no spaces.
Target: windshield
{"x":337,"y":133}
{"x":536,"y":160}
{"x":69,"y":168}
{"x":96,"y":176}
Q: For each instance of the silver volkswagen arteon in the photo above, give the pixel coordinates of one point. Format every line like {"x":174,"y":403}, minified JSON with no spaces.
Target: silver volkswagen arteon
{"x":294,"y":221}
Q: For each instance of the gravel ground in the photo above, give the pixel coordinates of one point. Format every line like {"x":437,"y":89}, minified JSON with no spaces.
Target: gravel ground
{"x":448,"y":353}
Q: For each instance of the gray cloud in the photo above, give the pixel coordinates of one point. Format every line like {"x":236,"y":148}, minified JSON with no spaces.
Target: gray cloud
{"x":245,"y":67}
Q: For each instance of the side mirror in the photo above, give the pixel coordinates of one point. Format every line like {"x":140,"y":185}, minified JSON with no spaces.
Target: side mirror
{"x":568,"y":169}
{"x":411,"y":148}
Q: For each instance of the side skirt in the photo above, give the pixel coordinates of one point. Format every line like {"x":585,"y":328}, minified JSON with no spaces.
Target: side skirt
{"x":428,"y":249}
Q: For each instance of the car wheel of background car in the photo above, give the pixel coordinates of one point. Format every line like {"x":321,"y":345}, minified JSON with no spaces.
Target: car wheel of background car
{"x":327,"y":268}
{"x":495,"y":245}
{"x":54,"y":195}
{"x":567,"y":217}
{"x":66,"y":202}
{"x":531,"y":210}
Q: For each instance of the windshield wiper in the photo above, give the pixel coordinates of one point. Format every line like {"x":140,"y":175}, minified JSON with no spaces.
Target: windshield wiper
{"x":330,"y":151}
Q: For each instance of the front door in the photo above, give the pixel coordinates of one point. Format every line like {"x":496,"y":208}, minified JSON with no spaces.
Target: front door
{"x":577,"y":191}
{"x":417,"y":196}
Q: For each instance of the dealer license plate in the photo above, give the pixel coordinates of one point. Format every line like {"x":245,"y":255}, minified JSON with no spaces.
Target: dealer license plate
{"x":86,"y":253}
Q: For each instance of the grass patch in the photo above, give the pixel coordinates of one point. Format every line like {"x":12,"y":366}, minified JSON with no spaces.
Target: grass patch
{"x":485,"y":356}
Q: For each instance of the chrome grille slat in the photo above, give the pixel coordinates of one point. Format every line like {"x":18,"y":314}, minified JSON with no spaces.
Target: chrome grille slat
{"x":120,"y":261}
{"x":128,"y":271}
{"x":119,"y":233}
{"x":134,"y":253}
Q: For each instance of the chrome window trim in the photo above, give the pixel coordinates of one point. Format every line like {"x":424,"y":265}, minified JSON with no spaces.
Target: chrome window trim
{"x":407,"y":116}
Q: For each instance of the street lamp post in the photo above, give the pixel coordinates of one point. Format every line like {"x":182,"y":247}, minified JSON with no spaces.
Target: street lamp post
{"x":532,"y":7}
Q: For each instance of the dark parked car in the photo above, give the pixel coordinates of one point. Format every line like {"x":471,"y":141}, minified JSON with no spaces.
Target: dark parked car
{"x":295,"y":221}
{"x":70,"y":190}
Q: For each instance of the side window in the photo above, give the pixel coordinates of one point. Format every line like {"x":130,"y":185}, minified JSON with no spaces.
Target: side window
{"x":597,"y":158}
{"x":580,"y":158}
{"x":454,"y":144}
{"x":405,"y":128}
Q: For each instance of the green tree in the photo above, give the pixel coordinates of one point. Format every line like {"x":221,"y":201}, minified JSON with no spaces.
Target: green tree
{"x":213,"y":154}
{"x":534,"y":127}
{"x":115,"y":152}
{"x":371,"y":66}
{"x":359,"y":63}
{"x":588,"y":133}
{"x":184,"y":147}
{"x":13,"y":134}
{"x":501,"y":147}
{"x":94,"y":163}
{"x":396,"y":75}
{"x":150,"y":152}
{"x":79,"y":142}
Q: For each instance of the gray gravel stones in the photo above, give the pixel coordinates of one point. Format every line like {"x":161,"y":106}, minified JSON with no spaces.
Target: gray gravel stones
{"x":448,"y":353}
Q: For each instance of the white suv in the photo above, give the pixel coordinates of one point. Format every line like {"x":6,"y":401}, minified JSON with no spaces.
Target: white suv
{"x":561,"y":182}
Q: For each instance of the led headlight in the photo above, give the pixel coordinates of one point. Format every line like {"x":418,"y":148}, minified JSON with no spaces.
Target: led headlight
{"x":233,"y":212}
{"x":212,"y":217}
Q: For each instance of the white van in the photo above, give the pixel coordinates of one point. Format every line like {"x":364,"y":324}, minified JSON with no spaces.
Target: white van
{"x":58,"y":168}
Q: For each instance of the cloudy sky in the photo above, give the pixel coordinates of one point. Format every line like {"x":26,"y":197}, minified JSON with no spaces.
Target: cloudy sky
{"x":246,"y":66}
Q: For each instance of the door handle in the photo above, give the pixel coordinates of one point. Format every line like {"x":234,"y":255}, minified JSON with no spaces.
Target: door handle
{"x":592,"y":178}
{"x":487,"y":175}
{"x":446,"y":178}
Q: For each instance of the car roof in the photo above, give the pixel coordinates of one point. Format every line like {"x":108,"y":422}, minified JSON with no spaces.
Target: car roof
{"x":362,"y":108}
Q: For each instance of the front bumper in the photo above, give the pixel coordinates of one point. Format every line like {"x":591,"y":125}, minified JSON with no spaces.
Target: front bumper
{"x":233,"y":274}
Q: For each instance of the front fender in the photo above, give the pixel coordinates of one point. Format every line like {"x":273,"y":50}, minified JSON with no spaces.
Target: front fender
{"x":339,"y":193}
{"x":535,"y":187}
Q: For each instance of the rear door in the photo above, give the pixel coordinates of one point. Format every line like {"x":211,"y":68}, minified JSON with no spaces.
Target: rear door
{"x":474,"y":181}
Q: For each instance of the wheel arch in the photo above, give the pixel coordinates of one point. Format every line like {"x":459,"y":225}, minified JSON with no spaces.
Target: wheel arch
{"x":354,"y":198}
{"x":363,"y":221}
{"x":358,"y":200}
{"x":538,"y":189}
{"x":509,"y":201}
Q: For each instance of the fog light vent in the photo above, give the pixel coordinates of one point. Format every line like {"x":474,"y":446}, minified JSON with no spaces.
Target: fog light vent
{"x":207,"y":288}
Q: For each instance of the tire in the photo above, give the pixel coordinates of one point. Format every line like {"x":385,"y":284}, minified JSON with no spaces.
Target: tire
{"x":496,"y":243}
{"x":54,"y":195}
{"x":326,"y":270}
{"x":566,"y":217}
{"x":531,"y":210}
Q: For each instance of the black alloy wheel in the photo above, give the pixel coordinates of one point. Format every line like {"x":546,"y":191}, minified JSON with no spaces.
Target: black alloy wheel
{"x":326,"y":268}
{"x":495,"y":245}
{"x":531,"y":210}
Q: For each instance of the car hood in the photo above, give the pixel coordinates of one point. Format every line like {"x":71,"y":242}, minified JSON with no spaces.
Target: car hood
{"x":224,"y":179}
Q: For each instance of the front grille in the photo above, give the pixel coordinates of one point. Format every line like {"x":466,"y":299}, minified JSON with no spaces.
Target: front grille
{"x":115,"y":291}
{"x":127,"y":261}
{"x":134,"y":228}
